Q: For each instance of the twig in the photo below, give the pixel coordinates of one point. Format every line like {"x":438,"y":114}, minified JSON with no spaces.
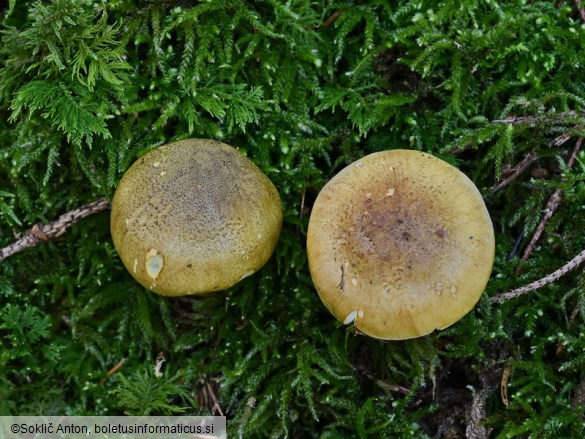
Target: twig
{"x":572,"y":318}
{"x":476,"y":428}
{"x":581,"y":10}
{"x":332,"y":18}
{"x":519,"y":169}
{"x":216,"y":407}
{"x":563,"y":138}
{"x":529,"y":159}
{"x":516,"y":246}
{"x":574,"y":153}
{"x":302,"y":203}
{"x":504,"y":384}
{"x":579,"y":399}
{"x":571,"y":265}
{"x":113,"y":370}
{"x":392,"y":387}
{"x":552,"y":205}
{"x":515,"y":120}
{"x":43,"y":232}
{"x":327,"y":22}
{"x":117,"y":367}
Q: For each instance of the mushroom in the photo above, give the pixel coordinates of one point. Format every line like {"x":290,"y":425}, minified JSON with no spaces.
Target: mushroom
{"x":194,"y":217}
{"x":399,"y":244}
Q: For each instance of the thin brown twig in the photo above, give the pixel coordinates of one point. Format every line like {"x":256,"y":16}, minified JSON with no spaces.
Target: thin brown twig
{"x":581,"y":10}
{"x":43,"y":232}
{"x":574,"y":153}
{"x":530,"y":158}
{"x":332,"y":18}
{"x":579,"y":396}
{"x":302,"y":203}
{"x":476,"y":427}
{"x":563,"y":138}
{"x":113,"y":370}
{"x":571,"y":265}
{"x":504,"y":384}
{"x":561,"y":345}
{"x":551,"y":117}
{"x":574,"y":314}
{"x":328,"y":22}
{"x":393,"y":387}
{"x":216,"y":405}
{"x":552,"y":205}
{"x":117,"y":367}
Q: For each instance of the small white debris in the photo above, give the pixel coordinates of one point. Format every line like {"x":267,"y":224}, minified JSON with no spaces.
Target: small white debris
{"x":353,"y":316}
{"x":158,"y":366}
{"x":154,"y":263}
{"x":135,"y":264}
{"x":350,"y":318}
{"x":453,"y":290}
{"x":246,"y":274}
{"x":354,"y":281}
{"x":390,"y":192}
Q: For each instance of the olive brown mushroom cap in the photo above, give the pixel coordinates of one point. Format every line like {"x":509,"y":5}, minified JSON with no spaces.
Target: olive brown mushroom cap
{"x":194,"y":217}
{"x":399,"y":244}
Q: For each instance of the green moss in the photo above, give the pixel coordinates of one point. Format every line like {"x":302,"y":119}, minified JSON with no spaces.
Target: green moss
{"x":303,"y":88}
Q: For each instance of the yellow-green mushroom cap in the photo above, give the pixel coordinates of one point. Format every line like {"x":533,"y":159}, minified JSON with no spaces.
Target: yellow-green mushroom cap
{"x":194,"y":217}
{"x":400,"y":243}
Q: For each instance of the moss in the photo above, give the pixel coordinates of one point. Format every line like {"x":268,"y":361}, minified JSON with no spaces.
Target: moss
{"x":303,"y":88}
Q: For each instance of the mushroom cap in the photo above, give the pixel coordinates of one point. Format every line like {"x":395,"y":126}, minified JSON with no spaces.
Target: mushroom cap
{"x":194,"y":217}
{"x":400,"y":243}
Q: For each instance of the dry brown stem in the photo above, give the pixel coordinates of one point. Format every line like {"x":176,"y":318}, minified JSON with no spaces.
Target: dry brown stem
{"x":43,"y":232}
{"x":113,"y":370}
{"x":392,"y":387}
{"x":552,"y":205}
{"x":117,"y":367}
{"x":579,"y":396}
{"x":571,"y":265}
{"x":216,"y":407}
{"x":530,"y":158}
{"x":552,"y":117}
{"x":476,"y":428}
{"x":581,"y":10}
